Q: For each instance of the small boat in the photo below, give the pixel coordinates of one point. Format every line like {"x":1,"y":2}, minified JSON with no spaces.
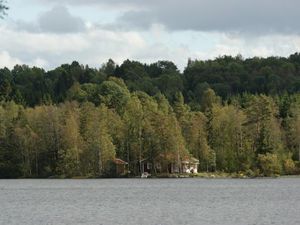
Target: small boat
{"x":145,"y":175}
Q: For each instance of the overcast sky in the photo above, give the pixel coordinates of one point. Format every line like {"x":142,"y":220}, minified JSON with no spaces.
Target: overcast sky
{"x":47,"y":33}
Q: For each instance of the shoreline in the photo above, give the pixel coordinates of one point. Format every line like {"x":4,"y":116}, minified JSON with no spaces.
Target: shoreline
{"x":163,"y":176}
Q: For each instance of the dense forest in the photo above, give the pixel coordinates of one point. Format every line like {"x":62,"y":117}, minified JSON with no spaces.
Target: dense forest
{"x":233,"y":114}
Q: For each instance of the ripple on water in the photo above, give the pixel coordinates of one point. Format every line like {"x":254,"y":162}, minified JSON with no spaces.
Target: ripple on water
{"x":150,"y":202}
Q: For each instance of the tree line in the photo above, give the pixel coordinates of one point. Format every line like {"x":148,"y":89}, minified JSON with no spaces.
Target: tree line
{"x":74,"y":120}
{"x":227,"y":76}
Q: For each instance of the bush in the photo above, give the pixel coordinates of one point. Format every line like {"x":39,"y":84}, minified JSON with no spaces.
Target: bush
{"x":289,"y":167}
{"x":269,"y":164}
{"x":250,"y":173}
{"x":297,"y":167}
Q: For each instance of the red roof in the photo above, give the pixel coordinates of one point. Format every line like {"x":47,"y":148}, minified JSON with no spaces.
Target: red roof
{"x":120,"y":161}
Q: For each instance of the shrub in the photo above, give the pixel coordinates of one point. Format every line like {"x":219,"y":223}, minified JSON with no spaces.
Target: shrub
{"x":289,"y":166}
{"x":250,"y":173}
{"x":297,"y":167}
{"x":269,"y":164}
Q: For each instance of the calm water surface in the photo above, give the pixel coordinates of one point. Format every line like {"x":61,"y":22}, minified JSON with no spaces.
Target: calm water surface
{"x":150,"y":202}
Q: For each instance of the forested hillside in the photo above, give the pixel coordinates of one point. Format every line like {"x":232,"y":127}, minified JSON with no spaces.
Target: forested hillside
{"x":233,"y":114}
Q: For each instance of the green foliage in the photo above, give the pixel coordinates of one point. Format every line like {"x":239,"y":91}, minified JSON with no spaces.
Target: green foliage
{"x":263,"y":124}
{"x":75,"y":120}
{"x":289,"y":166}
{"x":269,"y":164}
{"x":226,"y":76}
{"x":114,"y":94}
{"x":209,"y":98}
{"x":231,"y":138}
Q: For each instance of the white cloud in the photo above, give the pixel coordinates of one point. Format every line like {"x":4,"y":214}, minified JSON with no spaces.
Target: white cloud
{"x":9,"y":61}
{"x":42,"y":63}
{"x":6,"y":60}
{"x":94,"y":45}
{"x":49,"y":50}
{"x":262,"y":46}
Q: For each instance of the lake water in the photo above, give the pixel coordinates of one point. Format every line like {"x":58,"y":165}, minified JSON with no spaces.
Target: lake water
{"x":150,"y":202}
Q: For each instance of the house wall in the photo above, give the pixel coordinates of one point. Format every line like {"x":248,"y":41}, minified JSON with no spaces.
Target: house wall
{"x":171,"y":168}
{"x":190,"y":168}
